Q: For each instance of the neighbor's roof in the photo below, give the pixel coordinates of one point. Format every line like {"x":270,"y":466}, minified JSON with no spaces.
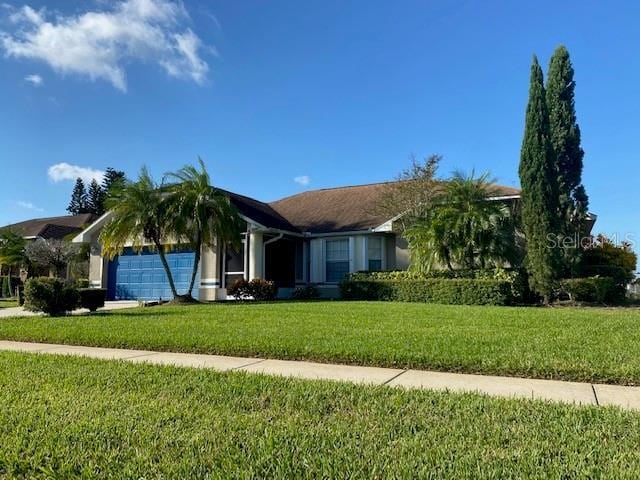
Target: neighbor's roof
{"x":343,"y":209}
{"x":52,"y":227}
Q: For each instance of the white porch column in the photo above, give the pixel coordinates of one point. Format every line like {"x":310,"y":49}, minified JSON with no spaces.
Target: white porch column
{"x":98,"y":266}
{"x":209,"y":274}
{"x":256,"y":250}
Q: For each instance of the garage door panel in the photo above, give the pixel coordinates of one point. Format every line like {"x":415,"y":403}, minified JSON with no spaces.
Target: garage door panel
{"x":141,"y":276}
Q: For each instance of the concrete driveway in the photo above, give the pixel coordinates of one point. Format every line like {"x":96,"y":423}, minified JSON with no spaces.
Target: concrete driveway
{"x":21,"y":312}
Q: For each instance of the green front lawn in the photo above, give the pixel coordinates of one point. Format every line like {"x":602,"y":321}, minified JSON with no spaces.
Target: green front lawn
{"x":64,"y":417}
{"x":591,"y":344}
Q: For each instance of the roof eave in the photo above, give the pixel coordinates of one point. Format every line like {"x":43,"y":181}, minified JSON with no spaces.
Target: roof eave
{"x":85,"y":236}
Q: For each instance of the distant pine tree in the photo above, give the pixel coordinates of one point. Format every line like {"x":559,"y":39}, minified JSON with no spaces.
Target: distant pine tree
{"x":78,"y":202}
{"x":95,"y":198}
{"x":111,"y":179}
{"x":565,"y":139}
{"x":539,"y":183}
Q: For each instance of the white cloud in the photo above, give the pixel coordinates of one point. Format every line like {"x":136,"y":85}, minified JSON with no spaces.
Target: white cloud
{"x":303,"y":180}
{"x":64,"y":171}
{"x":35,"y":80}
{"x":29,"y":206}
{"x":98,"y":44}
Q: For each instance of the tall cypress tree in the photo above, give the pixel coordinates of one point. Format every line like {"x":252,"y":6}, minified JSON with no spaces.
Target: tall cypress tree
{"x":95,"y":198}
{"x":78,"y":202}
{"x":539,"y":183}
{"x":565,"y":139}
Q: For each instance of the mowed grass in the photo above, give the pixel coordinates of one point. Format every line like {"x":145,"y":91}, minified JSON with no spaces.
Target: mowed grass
{"x":597,"y":345}
{"x":65,"y":417}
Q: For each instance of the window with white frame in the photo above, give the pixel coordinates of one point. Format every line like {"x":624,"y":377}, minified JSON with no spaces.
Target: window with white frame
{"x":234,"y":263}
{"x":337,"y":259}
{"x":374,"y":254}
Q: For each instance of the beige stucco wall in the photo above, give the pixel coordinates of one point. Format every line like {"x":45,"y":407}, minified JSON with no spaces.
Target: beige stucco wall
{"x":390,"y":251}
{"x":402,"y":254}
{"x":98,"y":266}
{"x":359,"y":253}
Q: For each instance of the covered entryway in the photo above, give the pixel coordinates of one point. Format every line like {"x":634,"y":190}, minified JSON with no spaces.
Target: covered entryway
{"x":134,"y":276}
{"x":280,"y":262}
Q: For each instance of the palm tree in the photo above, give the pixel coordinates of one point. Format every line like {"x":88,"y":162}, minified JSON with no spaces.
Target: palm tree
{"x":467,"y":226}
{"x":139,"y":214}
{"x":429,"y":243}
{"x":477,"y":222}
{"x":201,"y":214}
{"x":12,"y":250}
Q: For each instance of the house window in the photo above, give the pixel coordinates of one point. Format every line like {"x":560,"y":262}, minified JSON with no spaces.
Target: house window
{"x":337,"y":254}
{"x":234,"y":264}
{"x":374,"y":254}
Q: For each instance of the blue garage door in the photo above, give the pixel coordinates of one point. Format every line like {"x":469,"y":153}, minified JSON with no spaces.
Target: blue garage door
{"x":135,"y":276}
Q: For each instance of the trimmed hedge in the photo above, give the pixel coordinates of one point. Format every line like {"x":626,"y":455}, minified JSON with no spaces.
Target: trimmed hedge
{"x":500,"y":273}
{"x":92,"y":298}
{"x":593,"y":290}
{"x":459,"y":291}
{"x":516,"y":279}
{"x":50,"y":295}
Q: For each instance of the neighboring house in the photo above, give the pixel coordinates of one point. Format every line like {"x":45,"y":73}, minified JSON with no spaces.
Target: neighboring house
{"x":51,"y":227}
{"x":58,"y":228}
{"x":312,"y":237}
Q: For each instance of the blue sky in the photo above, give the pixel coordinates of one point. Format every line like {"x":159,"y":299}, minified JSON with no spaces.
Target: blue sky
{"x":339,"y":92}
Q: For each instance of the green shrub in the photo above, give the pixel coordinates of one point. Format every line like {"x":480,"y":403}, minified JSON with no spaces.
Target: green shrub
{"x":459,"y":291}
{"x":308,"y":292}
{"x":83,"y":283}
{"x":593,"y":290}
{"x":606,"y":259}
{"x":239,"y":289}
{"x":50,"y":295}
{"x":517,"y":280}
{"x":262,"y":290}
{"x":258,"y":289}
{"x":92,"y":298}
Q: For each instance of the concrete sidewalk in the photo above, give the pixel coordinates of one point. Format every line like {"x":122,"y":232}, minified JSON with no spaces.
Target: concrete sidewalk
{"x":511,"y":387}
{"x":111,"y":305}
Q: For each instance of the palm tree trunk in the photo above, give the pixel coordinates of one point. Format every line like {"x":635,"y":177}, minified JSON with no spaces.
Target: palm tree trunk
{"x":196,"y":262}
{"x":447,"y":256}
{"x":165,"y":265}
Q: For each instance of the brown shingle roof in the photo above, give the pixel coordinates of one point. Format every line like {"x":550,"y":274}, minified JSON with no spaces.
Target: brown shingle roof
{"x":52,"y":227}
{"x":259,"y":211}
{"x":342,"y":209}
